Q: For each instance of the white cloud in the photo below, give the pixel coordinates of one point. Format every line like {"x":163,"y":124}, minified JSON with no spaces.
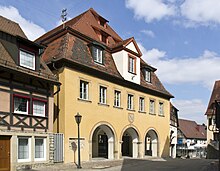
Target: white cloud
{"x":148,"y":33}
{"x":202,"y":12}
{"x":203,"y":69}
{"x":150,"y":10}
{"x":191,"y":109}
{"x":31,"y":29}
{"x":189,"y":13}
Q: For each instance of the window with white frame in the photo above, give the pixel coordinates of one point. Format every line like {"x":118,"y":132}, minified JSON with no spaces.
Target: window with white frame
{"x":40,"y":149}
{"x":141,"y":104}
{"x":39,"y":108}
{"x":21,"y":105}
{"x":130,"y":101}
{"x":102,"y":94}
{"x":152,"y":106}
{"x":161,"y":108}
{"x":98,"y":55}
{"x":24,"y":149}
{"x":117,"y":100}
{"x":131,"y":64}
{"x":84,"y":90}
{"x":27,"y":59}
{"x":147,"y":76}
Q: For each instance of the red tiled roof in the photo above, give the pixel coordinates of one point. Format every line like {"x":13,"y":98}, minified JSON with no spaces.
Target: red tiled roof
{"x":72,"y":44}
{"x":86,"y":24}
{"x":11,"y":27}
{"x":192,"y":130}
{"x":215,"y":96}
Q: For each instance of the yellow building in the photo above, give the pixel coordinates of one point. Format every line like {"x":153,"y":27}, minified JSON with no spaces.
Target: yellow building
{"x":125,"y":109}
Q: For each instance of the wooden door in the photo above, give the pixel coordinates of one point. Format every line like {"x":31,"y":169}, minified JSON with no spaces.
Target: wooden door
{"x":4,"y":153}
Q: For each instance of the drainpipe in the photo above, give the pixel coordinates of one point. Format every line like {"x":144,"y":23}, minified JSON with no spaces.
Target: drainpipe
{"x":57,"y":92}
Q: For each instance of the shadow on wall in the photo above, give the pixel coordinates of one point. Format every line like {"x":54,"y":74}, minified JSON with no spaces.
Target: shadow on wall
{"x":212,"y":153}
{"x":166,"y":148}
{"x":74,"y":148}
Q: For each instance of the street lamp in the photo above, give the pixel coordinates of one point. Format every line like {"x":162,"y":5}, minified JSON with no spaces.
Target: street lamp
{"x":78,"y":118}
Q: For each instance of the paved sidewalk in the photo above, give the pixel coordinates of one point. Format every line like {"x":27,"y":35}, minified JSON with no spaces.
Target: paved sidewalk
{"x":91,"y":165}
{"x":97,"y":164}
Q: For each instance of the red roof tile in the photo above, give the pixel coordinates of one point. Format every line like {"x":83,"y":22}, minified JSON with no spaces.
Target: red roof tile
{"x":72,"y":43}
{"x":192,"y":130}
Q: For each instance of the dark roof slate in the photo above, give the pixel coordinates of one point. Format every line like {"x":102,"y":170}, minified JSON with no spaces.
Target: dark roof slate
{"x":11,"y":27}
{"x":8,"y":48}
{"x":214,"y":96}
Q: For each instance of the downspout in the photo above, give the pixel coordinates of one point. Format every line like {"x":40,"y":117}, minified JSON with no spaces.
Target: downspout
{"x":57,"y":92}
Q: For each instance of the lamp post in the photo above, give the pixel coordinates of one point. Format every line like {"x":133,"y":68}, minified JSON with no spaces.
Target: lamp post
{"x":78,"y":118}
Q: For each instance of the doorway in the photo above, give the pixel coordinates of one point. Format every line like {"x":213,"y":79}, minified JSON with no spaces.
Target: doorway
{"x":5,"y":153}
{"x":151,"y":144}
{"x":127,"y":145}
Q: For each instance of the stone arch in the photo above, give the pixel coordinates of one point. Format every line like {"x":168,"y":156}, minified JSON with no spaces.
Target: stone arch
{"x":130,"y":139}
{"x":151,"y":143}
{"x":102,"y":139}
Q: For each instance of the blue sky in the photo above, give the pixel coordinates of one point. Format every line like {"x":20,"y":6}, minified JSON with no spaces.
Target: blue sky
{"x":179,"y":37}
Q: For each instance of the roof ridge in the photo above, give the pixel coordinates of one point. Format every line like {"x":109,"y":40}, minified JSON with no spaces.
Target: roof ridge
{"x":9,"y":20}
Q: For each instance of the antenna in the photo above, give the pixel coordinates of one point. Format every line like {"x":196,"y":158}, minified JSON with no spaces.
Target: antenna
{"x":63,"y":16}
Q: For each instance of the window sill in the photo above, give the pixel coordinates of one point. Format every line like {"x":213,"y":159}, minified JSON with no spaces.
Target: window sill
{"x":39,"y":159}
{"x":142,"y":112}
{"x":100,"y":64}
{"x":132,"y":73}
{"x":154,"y":114}
{"x":29,"y":115}
{"x":132,"y":110}
{"x":103,"y":104}
{"x":24,"y":160}
{"x":117,"y":107}
{"x":84,"y":100}
{"x":161,"y":115}
{"x":148,"y":82}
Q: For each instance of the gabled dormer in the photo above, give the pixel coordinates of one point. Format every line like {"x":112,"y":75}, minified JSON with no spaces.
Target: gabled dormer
{"x":127,"y":56}
{"x":24,"y":52}
{"x":28,"y":54}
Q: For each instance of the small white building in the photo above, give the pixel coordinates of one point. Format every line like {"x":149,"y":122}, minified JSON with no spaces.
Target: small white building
{"x":173,"y":130}
{"x":191,"y":139}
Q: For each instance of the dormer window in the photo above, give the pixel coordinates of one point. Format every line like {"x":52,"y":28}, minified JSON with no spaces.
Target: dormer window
{"x":98,"y":55}
{"x":27,"y":59}
{"x":147,"y":75}
{"x":102,"y":23}
{"x":131,"y":64}
{"x":104,"y":38}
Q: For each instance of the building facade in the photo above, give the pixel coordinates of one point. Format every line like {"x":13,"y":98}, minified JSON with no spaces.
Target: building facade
{"x":125,"y":109}
{"x":212,"y":131}
{"x":26,"y":101}
{"x":173,"y":130}
{"x":191,"y":139}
